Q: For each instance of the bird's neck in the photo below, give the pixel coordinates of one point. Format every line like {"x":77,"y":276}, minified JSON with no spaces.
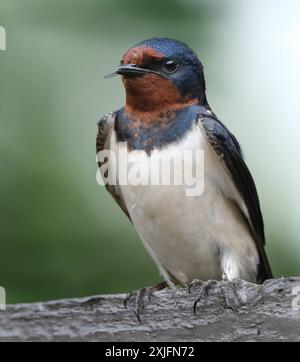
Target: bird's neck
{"x":154,"y":113}
{"x":171,"y":126}
{"x":150,"y":98}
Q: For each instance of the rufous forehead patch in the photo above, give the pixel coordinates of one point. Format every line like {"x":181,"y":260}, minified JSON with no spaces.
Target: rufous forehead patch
{"x":141,"y":55}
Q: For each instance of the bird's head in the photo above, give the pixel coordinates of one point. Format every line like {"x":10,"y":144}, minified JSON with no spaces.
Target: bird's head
{"x":161,"y":74}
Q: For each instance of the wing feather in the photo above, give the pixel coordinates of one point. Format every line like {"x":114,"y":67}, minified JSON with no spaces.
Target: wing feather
{"x":228,"y":149}
{"x":105,"y":128}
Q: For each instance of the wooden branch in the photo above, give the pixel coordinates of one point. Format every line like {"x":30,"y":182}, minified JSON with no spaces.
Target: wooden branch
{"x":231,"y":312}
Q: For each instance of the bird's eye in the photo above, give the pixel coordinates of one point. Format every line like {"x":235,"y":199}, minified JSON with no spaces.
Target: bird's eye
{"x":171,"y":65}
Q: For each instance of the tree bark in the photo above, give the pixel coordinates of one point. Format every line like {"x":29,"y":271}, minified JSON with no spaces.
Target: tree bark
{"x":238,"y":311}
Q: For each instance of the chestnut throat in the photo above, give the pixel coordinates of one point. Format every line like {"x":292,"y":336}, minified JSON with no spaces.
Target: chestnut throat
{"x":152,"y":111}
{"x":150,"y":96}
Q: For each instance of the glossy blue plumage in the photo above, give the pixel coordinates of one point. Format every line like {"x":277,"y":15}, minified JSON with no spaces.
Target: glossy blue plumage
{"x":158,"y":135}
{"x":190,"y":77}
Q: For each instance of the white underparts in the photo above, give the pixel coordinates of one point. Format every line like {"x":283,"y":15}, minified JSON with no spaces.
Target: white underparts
{"x":198,"y":237}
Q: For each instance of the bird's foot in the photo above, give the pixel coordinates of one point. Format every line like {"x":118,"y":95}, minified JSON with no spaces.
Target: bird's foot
{"x":139,"y":297}
{"x":203,"y":291}
{"x":231,"y":298}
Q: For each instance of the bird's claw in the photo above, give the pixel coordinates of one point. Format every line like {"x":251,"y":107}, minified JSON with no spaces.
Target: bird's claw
{"x":203,"y":290}
{"x":231,"y":297}
{"x":140,"y":296}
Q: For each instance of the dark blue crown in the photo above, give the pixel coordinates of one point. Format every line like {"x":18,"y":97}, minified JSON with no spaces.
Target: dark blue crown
{"x":172,"y":48}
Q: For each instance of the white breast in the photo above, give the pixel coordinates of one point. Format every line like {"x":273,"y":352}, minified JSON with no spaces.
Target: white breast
{"x":191,"y":237}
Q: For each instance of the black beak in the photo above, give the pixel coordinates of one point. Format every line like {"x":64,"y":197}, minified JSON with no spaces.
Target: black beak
{"x":132,"y":69}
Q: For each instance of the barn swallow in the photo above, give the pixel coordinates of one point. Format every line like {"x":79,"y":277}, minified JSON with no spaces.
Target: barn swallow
{"x":219,"y":234}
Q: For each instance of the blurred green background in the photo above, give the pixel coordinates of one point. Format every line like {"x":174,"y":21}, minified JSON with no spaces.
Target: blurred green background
{"x":61,"y":234}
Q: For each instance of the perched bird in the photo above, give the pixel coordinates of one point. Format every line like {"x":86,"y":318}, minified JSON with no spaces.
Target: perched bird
{"x":219,"y":233}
